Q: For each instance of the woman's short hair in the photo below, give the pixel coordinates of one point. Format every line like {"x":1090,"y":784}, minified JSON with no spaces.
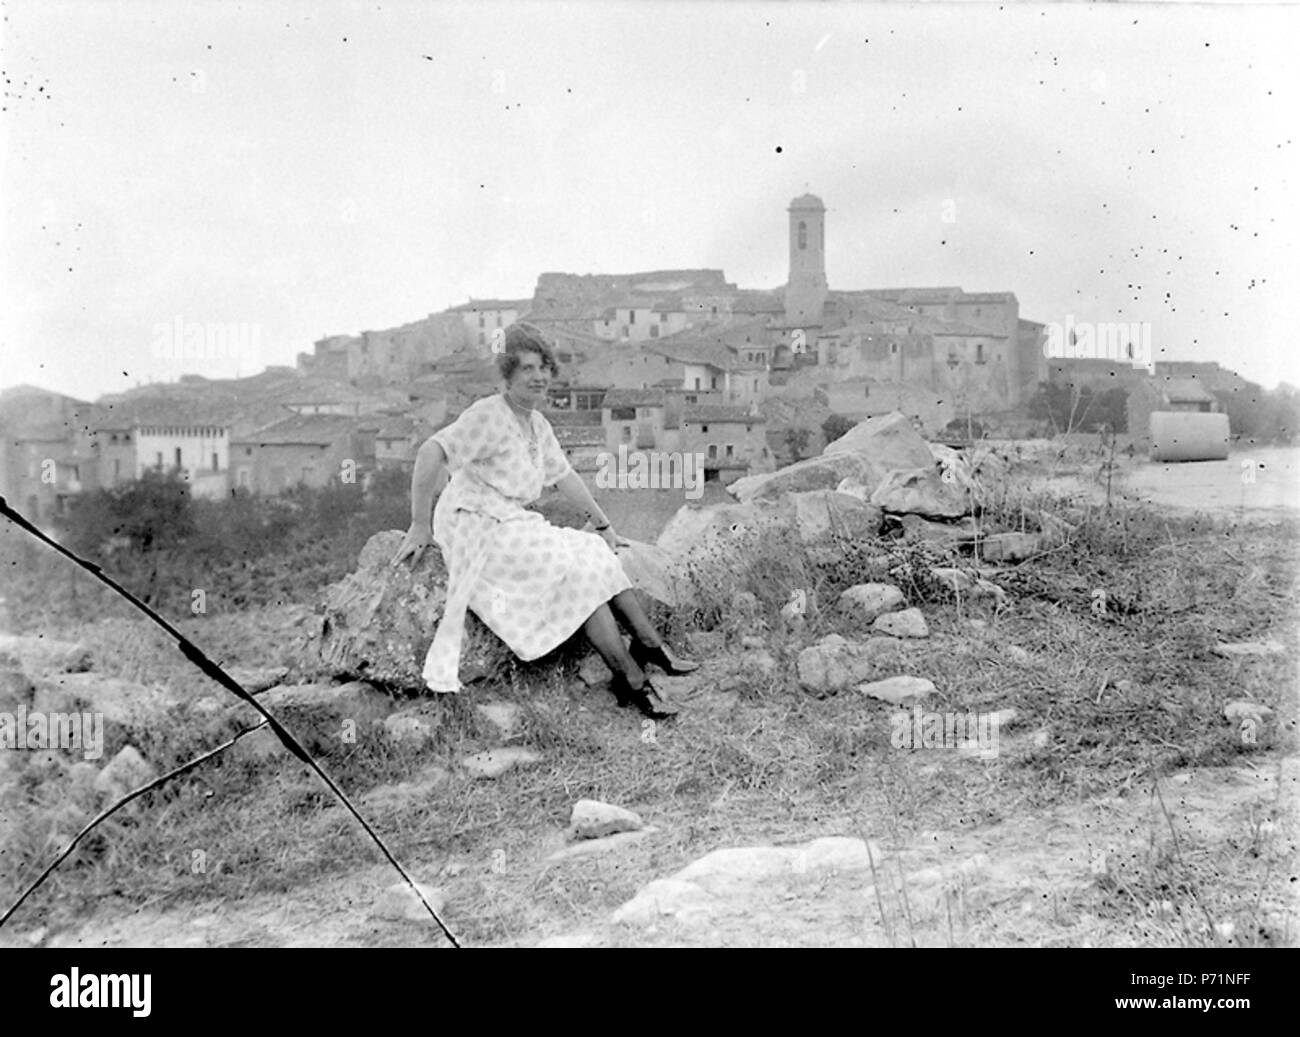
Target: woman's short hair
{"x":525,"y":338}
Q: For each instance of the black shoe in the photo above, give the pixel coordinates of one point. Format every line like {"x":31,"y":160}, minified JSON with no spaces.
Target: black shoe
{"x":659,"y":654}
{"x":645,"y":698}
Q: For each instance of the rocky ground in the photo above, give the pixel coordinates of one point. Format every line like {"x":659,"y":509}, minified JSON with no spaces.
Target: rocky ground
{"x":1143,"y":794}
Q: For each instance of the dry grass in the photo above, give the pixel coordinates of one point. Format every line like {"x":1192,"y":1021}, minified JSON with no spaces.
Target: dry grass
{"x":1128,"y":697}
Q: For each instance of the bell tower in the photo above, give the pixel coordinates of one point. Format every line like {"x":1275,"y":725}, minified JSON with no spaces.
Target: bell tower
{"x":805,"y":291}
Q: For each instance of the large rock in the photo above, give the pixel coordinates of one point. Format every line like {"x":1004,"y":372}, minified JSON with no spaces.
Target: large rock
{"x":835,"y":664}
{"x":920,"y":491}
{"x":653,"y":570}
{"x":866,"y":601}
{"x":592,"y":819}
{"x":36,"y":653}
{"x":705,"y":545}
{"x":907,"y":623}
{"x":903,"y":690}
{"x":721,"y":527}
{"x":126,"y":772}
{"x":321,"y":716}
{"x":1010,"y":547}
{"x":377,"y":623}
{"x":889,"y":440}
{"x":123,"y":703}
{"x":814,"y":473}
{"x":943,"y":534}
{"x":820,"y":515}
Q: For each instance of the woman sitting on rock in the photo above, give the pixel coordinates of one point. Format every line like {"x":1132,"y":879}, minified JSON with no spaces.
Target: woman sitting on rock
{"x":532,"y":583}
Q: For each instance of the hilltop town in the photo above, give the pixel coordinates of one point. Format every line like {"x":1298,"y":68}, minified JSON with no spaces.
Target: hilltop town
{"x":671,"y":360}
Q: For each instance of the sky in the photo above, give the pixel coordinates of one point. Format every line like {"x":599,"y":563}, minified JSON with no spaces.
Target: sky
{"x":294,"y":170}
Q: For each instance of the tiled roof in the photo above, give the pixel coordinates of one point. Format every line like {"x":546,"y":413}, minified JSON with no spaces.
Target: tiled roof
{"x":44,"y":432}
{"x":635,"y":398}
{"x":308,"y":429}
{"x":720,"y":412}
{"x":758,"y":302}
{"x":957,"y":327}
{"x":404,"y":427}
{"x":691,"y":350}
{"x":150,"y":413}
{"x":573,"y":418}
{"x":1185,"y":390}
{"x":477,"y":305}
{"x":578,"y":435}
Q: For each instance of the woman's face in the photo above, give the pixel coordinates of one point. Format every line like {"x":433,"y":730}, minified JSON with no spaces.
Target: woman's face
{"x":530,"y":381}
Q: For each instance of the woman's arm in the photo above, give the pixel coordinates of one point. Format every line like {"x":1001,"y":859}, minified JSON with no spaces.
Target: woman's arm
{"x":575,"y":492}
{"x":427,"y":481}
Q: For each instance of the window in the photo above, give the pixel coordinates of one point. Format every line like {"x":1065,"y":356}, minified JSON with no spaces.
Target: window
{"x":159,"y":459}
{"x":627,"y":433}
{"x":692,"y":399}
{"x":113,"y":438}
{"x":482,"y":320}
{"x":622,"y":413}
{"x":126,"y":438}
{"x":631,"y":316}
{"x":248,"y":451}
{"x":866,"y":391}
{"x":178,"y":457}
{"x":714,"y":382}
{"x":713,"y":450}
{"x":713,"y":311}
{"x":654,"y":332}
{"x":979,"y":352}
{"x":697,"y":383}
{"x":730,"y":450}
{"x":893,"y":349}
{"x":663,"y":318}
{"x":704,"y":428}
{"x":803,"y":235}
{"x":117,"y":468}
{"x":216,"y":467}
{"x":623,"y":330}
{"x":482,"y":339}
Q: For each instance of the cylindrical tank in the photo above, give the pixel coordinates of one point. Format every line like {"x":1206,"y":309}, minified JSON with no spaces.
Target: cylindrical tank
{"x":1188,"y":436}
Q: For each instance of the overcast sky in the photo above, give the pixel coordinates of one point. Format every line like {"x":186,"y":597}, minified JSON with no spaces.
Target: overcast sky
{"x":304,"y":169}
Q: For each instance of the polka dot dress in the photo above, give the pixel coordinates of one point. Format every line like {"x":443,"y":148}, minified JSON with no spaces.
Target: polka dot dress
{"x":532,"y":583}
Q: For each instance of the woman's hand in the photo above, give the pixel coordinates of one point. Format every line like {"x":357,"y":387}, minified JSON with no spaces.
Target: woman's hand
{"x":418,"y":537}
{"x":611,"y":538}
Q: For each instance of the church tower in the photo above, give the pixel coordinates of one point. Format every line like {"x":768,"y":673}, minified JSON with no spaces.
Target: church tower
{"x":805,"y":292}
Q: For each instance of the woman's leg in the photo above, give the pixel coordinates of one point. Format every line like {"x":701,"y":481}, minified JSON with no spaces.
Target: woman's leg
{"x":603,"y":633}
{"x":648,"y":646}
{"x":630,"y":684}
{"x":627,"y":609}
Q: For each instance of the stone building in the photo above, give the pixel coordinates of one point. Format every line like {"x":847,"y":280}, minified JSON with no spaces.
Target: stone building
{"x":314,"y":450}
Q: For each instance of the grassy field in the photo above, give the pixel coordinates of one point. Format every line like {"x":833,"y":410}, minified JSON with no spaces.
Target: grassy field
{"x":1112,"y":706}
